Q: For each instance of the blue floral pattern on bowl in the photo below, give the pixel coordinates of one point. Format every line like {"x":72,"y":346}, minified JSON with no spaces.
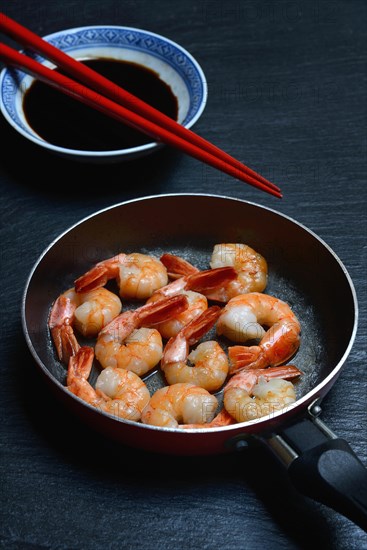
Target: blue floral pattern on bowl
{"x":95,"y":38}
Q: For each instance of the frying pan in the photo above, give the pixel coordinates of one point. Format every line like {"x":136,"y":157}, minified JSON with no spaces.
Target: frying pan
{"x":303,"y":271}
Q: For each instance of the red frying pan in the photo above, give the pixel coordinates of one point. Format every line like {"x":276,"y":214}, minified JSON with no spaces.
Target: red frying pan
{"x":303,"y":271}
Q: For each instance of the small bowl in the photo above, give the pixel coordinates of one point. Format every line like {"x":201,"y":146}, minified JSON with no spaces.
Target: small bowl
{"x":173,"y":64}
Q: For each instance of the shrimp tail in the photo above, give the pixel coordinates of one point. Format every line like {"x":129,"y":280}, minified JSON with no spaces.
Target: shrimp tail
{"x":93,"y":279}
{"x":148,"y":315}
{"x":62,"y":312}
{"x":177,"y":267}
{"x":177,"y":347}
{"x":245,"y":358}
{"x":195,"y":329}
{"x":223,"y":418}
{"x":210,"y":279}
{"x":80,"y":364}
{"x":59,"y":322}
{"x":287,"y":372}
{"x":197,"y":280}
{"x":157,"y":312}
{"x":79,"y":369}
{"x":247,"y":378}
{"x":65,"y":342}
{"x":99,"y":274}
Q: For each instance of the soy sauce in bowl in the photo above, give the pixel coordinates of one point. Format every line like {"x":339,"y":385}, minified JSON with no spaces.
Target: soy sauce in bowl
{"x":66,"y":122}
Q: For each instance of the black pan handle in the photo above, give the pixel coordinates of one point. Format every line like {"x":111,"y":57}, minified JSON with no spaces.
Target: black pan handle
{"x":323,"y":466}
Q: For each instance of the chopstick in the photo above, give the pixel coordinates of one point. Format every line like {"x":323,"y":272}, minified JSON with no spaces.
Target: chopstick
{"x":120,"y":104}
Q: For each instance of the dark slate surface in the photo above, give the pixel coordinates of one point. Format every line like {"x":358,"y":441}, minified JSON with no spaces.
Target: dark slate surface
{"x":286,"y":95}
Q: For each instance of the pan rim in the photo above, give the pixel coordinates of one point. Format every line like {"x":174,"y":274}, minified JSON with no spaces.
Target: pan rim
{"x":312,"y":395}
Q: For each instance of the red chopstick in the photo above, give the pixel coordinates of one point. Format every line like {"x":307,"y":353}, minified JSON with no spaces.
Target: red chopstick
{"x":129,"y":108}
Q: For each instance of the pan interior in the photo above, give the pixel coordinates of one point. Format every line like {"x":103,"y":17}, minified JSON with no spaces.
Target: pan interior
{"x":303,"y":271}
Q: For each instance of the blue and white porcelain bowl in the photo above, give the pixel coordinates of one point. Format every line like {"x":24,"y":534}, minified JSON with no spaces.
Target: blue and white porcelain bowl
{"x":174,"y":65}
